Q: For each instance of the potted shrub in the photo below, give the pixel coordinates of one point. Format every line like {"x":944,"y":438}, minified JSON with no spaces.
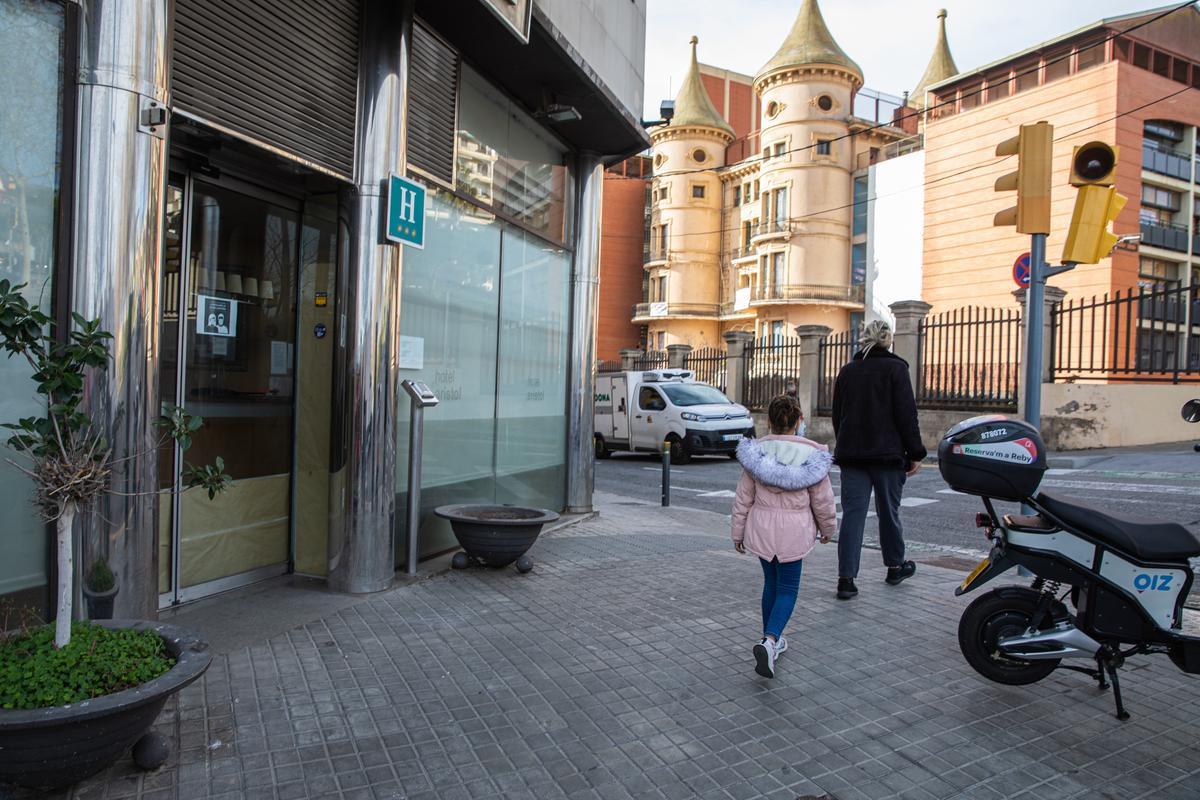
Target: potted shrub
{"x":99,"y":590}
{"x":76,"y":696}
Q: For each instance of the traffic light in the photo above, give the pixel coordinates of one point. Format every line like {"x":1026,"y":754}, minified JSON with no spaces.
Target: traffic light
{"x":1097,"y":204}
{"x":1094,"y":164}
{"x":1033,"y":147}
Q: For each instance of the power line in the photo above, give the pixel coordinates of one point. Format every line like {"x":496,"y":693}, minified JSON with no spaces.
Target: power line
{"x":922,"y":185}
{"x":916,"y":113}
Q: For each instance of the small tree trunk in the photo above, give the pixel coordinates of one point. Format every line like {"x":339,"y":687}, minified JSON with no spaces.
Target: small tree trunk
{"x":66,"y":576}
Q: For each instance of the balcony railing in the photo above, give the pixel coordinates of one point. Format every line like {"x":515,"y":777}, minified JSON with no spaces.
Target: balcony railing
{"x":1168,"y":236}
{"x":651,"y":255}
{"x":1166,"y":162}
{"x":808,"y":292}
{"x":894,"y":150}
{"x":772,"y":227}
{"x":741,"y":252}
{"x":659,"y":310}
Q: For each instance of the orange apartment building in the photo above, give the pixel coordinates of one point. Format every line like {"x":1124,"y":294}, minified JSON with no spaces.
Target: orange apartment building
{"x":1133,"y":81}
{"x":624,"y":215}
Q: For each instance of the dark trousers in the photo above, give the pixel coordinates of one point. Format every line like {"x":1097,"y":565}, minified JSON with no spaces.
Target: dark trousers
{"x":857,"y":484}
{"x":781,"y":584}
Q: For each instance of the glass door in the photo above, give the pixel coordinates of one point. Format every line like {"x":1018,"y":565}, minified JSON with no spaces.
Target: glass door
{"x":231,"y":265}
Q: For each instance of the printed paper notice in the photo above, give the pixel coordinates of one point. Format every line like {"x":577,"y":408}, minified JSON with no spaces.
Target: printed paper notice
{"x":412,"y":352}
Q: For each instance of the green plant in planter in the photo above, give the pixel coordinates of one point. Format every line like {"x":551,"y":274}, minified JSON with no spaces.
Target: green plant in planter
{"x":100,"y":578}
{"x":67,"y":458}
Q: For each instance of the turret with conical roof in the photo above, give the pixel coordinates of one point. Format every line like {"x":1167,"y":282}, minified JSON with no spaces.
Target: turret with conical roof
{"x":941,"y":64}
{"x":693,"y":107}
{"x":809,"y":43}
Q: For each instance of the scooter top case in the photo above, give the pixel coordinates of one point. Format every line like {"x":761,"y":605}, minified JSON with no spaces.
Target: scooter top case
{"x":993,"y":456}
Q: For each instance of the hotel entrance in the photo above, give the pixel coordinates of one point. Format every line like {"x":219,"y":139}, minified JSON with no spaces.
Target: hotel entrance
{"x":245,"y":268}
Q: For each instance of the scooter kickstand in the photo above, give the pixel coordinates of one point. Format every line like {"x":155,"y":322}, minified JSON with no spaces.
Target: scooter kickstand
{"x":1122,"y":714}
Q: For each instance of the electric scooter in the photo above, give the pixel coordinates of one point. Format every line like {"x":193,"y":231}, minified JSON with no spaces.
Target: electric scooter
{"x":1106,"y":586}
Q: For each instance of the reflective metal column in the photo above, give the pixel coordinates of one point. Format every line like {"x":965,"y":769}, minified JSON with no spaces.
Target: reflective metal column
{"x":117,"y":244}
{"x":363,"y":501}
{"x":585,"y":276}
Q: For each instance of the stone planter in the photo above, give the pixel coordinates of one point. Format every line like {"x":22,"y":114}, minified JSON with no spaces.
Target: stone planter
{"x":496,"y":535}
{"x":47,"y":748}
{"x":100,"y":604}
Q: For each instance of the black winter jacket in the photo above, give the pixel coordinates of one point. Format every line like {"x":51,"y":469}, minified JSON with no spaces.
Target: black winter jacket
{"x":874,"y":413}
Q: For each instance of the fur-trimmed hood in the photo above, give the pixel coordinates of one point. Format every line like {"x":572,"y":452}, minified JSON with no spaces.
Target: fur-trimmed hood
{"x":784,"y":463}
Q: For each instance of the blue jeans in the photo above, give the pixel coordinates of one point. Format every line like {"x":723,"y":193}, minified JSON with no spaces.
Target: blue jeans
{"x":857,"y":483}
{"x":781,"y":584}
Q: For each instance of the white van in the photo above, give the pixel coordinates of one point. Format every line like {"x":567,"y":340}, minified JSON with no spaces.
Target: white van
{"x":640,"y":410}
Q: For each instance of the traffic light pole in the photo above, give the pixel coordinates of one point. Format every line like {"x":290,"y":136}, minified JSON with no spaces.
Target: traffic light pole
{"x":1035,"y":309}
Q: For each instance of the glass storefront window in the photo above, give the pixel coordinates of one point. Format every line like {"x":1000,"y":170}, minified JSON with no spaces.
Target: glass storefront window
{"x":507,"y":161}
{"x":484,"y":321}
{"x":31,"y":41}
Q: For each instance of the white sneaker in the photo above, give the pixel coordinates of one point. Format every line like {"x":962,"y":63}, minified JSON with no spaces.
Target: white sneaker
{"x":780,"y":646}
{"x":764,"y":657}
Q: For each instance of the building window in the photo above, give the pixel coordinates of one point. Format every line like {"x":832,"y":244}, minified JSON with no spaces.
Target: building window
{"x":1027,"y":77}
{"x":778,"y":270}
{"x":971,"y":96}
{"x":859,"y":223}
{"x":825,"y":102}
{"x":1154,"y":273}
{"x":747,"y":233}
{"x":998,"y":85}
{"x":697,"y":191}
{"x":781,"y":206}
{"x":1058,"y":65}
{"x":737,"y":196}
{"x":699,"y":156}
{"x":664,"y":193}
{"x":824,"y":147}
{"x":756,"y":189}
{"x":777,"y":331}
{"x":772,"y":109}
{"x":778,"y":149}
{"x":662,"y":341}
{"x":858,"y":264}
{"x":1089,"y":55}
{"x":1160,"y":198}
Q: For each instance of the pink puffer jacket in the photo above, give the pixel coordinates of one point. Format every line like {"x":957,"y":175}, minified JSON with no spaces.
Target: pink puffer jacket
{"x":784,"y":498}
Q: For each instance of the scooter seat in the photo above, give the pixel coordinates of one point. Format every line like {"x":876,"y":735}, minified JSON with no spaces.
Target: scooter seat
{"x":1147,"y":541}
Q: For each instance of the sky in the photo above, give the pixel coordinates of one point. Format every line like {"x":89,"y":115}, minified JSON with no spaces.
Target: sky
{"x":890,"y":39}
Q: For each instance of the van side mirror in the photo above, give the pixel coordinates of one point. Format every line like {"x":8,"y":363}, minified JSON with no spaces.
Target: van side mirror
{"x":1191,"y":410}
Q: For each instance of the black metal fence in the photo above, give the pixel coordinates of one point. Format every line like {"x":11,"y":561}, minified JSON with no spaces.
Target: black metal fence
{"x":772,"y":367}
{"x":607,"y":366}
{"x":651,"y":359}
{"x":1147,"y":334}
{"x":709,"y":366}
{"x":834,"y":353}
{"x":970,"y":359}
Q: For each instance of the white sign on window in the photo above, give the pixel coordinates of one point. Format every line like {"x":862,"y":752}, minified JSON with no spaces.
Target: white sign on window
{"x":412,"y":352}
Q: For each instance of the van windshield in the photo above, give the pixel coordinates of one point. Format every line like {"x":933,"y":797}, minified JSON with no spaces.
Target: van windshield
{"x":693,"y":394}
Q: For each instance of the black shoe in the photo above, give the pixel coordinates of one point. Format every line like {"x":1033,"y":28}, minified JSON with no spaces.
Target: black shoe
{"x":897,"y":574}
{"x":846,"y":588}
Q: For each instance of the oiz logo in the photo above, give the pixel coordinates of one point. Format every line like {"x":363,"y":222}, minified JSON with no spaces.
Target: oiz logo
{"x":1157,"y":583}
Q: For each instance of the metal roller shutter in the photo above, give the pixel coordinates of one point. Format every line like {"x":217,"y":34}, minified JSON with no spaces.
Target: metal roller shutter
{"x":279,"y":72}
{"x":432,"y":104}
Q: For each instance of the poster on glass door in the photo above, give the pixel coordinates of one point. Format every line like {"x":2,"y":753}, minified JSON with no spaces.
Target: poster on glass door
{"x":216,"y":316}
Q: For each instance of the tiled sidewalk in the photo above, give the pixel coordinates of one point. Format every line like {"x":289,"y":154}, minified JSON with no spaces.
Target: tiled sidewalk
{"x":621,"y":668}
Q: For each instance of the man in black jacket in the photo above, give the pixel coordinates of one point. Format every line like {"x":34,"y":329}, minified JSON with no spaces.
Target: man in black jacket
{"x":878,"y":446}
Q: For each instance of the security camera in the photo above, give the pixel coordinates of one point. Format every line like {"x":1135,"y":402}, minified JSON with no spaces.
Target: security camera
{"x":667,"y":110}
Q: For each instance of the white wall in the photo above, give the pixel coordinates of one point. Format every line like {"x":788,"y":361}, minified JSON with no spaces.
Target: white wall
{"x":611,"y":37}
{"x":895,"y":228}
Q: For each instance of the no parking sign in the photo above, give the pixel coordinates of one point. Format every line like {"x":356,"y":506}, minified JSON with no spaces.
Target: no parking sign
{"x":1021,"y":271}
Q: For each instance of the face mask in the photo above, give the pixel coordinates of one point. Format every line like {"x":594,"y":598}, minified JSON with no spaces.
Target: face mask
{"x":802,"y":428}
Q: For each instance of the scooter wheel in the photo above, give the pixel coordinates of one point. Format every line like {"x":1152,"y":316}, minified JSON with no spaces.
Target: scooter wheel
{"x":996,"y":615}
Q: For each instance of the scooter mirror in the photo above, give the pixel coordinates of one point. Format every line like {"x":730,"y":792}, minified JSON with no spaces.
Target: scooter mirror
{"x":1191,"y":410}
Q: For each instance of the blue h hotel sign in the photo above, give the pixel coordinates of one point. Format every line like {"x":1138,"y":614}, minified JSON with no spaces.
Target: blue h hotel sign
{"x":406,"y":212}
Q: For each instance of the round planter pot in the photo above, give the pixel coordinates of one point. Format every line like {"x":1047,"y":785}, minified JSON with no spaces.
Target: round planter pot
{"x":100,"y":604}
{"x":495,"y":535}
{"x":48,"y":748}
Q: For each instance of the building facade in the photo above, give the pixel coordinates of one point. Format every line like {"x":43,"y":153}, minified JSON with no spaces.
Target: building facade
{"x":208,"y":180}
{"x":752,"y":224}
{"x":1132,"y":81}
{"x":624,"y":225}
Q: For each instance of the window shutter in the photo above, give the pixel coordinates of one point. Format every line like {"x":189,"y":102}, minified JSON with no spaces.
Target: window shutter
{"x":279,"y":73}
{"x":432,"y":105}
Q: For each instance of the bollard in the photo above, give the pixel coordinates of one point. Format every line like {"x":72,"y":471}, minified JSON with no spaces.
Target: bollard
{"x":666,"y":478}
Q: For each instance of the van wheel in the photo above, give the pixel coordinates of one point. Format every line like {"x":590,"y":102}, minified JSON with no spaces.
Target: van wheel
{"x":996,"y":615}
{"x":602,"y":450}
{"x":679,"y":451}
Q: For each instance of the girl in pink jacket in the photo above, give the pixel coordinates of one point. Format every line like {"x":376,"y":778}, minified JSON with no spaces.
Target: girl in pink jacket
{"x":784,"y":504}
